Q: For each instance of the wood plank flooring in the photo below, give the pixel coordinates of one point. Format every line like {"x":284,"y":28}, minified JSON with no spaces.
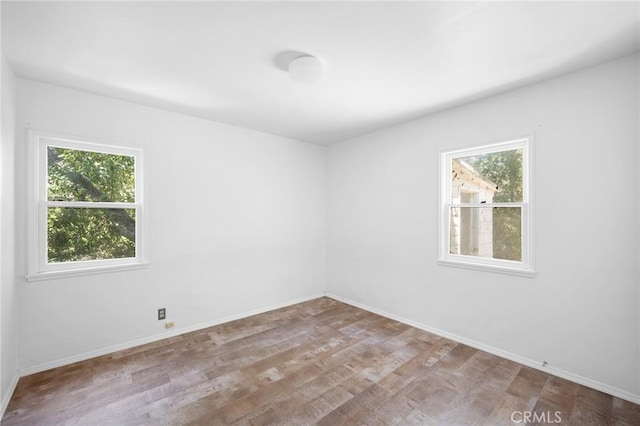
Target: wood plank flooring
{"x":319,"y":362}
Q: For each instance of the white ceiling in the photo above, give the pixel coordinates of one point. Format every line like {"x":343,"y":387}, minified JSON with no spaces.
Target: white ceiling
{"x":386,"y":62}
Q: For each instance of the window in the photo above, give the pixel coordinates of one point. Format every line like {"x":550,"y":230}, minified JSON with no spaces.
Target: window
{"x":87,"y":213}
{"x":485,"y":208}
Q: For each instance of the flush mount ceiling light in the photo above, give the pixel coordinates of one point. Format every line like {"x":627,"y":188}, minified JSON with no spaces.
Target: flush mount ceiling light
{"x":306,"y":69}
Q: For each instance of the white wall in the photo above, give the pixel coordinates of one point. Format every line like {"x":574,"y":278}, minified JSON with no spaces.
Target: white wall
{"x":237,"y":223}
{"x":581,"y":312}
{"x":8,"y":294}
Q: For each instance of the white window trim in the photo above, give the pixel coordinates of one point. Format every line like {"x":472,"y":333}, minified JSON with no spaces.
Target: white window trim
{"x":524,"y":268}
{"x":38,"y":268}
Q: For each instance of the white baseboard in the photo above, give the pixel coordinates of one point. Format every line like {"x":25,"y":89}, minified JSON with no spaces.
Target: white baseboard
{"x":7,"y":396}
{"x":142,"y":341}
{"x":602,"y":387}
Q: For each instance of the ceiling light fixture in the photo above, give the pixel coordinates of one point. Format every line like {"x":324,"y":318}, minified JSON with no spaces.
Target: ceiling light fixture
{"x":306,"y":69}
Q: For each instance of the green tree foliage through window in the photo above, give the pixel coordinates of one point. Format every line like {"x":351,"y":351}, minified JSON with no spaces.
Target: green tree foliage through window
{"x":504,"y":168}
{"x":88,"y":233}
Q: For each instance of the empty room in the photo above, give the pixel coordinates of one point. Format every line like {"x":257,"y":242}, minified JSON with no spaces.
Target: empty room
{"x":295,"y":213}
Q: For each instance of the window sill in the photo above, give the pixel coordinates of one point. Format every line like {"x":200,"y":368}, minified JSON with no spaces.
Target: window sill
{"x":529,"y":273}
{"x":52,"y":275}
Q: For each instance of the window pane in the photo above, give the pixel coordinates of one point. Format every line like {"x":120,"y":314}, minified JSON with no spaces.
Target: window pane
{"x":494,"y":177}
{"x":75,"y":175}
{"x":77,"y":234}
{"x":486,"y":232}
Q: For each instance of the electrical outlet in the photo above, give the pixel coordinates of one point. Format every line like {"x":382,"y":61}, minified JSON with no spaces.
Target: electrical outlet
{"x":162,"y":313}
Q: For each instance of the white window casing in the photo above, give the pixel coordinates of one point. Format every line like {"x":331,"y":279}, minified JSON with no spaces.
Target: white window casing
{"x":38,"y":204}
{"x":449,"y":208}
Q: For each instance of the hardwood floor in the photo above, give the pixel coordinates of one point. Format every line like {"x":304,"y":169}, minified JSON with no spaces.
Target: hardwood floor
{"x":318,"y":362}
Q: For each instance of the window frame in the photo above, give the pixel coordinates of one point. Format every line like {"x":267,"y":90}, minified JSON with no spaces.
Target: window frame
{"x":38,"y":205}
{"x":522,"y":268}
